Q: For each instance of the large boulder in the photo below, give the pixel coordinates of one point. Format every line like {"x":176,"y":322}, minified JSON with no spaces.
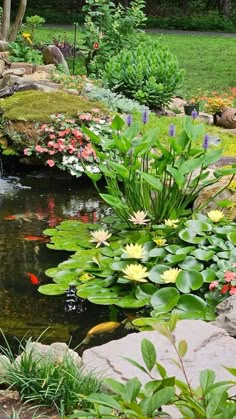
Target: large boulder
{"x":52,"y":55}
{"x":227,"y":315}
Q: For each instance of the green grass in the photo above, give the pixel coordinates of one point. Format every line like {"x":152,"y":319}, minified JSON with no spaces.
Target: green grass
{"x":209,"y":61}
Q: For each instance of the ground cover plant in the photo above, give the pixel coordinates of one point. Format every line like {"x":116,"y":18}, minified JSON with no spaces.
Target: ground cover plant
{"x":150,"y":255}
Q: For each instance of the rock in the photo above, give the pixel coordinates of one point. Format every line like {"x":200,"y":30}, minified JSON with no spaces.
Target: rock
{"x":49,"y":68}
{"x":227,"y":315}
{"x":50,"y":353}
{"x":209,"y":347}
{"x":2,"y":65}
{"x":29,"y":68}
{"x":227,"y":194}
{"x":227,"y":119}
{"x":177,"y":103}
{"x":72,"y":91}
{"x":3,"y":46}
{"x":14,"y":71}
{"x":52,"y":55}
{"x":4,"y":54}
{"x":4,"y":363}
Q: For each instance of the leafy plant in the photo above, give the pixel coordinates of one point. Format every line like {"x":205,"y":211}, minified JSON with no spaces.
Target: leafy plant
{"x":34,"y":22}
{"x":20,"y":51}
{"x":40,"y":380}
{"x":215,"y":103}
{"x":148,"y":73}
{"x":109,"y":28}
{"x":132,"y":400}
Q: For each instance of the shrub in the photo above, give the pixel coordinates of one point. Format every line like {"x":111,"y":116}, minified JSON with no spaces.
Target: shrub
{"x":20,"y":51}
{"x":148,"y":73}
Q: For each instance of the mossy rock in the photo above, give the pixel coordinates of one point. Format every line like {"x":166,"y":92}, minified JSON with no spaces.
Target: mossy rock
{"x":37,"y":106}
{"x":24,"y":110}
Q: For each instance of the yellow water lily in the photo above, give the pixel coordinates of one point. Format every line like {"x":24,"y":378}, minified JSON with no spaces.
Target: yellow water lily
{"x":135,"y":272}
{"x":170,"y":275}
{"x":134,"y":251}
{"x":139,"y":217}
{"x":215,"y":215}
{"x":159,"y":241}
{"x":172,"y":223}
{"x":100,"y":237}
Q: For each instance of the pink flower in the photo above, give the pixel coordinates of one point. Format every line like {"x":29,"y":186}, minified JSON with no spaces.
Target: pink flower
{"x":95,"y":110}
{"x":52,"y":136}
{"x":85,"y":117}
{"x":43,"y":126}
{"x":213,"y":285}
{"x":26,"y":152}
{"x":50,"y":163}
{"x":229,"y":276}
{"x":232,"y":290}
{"x":39,"y":148}
{"x":51,"y":152}
{"x":50,"y":144}
{"x":225,"y":289}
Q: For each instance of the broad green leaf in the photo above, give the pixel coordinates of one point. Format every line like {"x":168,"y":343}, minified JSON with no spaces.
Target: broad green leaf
{"x":152,"y":181}
{"x":120,"y":169}
{"x":198,"y":226}
{"x":177,"y":175}
{"x":191,"y":303}
{"x":208,"y":275}
{"x":232,"y":237}
{"x":131,"y":390}
{"x":156,"y":271}
{"x":148,"y":353}
{"x":165,"y":299}
{"x":150,"y":405}
{"x":190,"y":236}
{"x":182,"y":348}
{"x":189,"y":280}
{"x":104,"y":399}
{"x":52,"y":289}
{"x":191,"y":263}
{"x":207,"y":378}
{"x":117,"y":123}
{"x":211,"y":157}
{"x":190,"y":165}
{"x":112,"y":201}
{"x":204,"y":255}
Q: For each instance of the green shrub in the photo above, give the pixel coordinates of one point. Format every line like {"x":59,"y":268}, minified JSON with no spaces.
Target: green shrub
{"x":24,"y":53}
{"x":148,"y":73}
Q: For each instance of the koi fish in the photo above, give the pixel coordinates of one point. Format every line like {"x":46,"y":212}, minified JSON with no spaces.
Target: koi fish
{"x":17,"y":217}
{"x":33,"y":278}
{"x":37,"y":238}
{"x":101,"y":328}
{"x":73,"y":302}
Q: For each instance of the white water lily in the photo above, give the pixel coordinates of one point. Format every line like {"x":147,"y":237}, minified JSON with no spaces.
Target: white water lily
{"x":215,"y":215}
{"x":139,"y":217}
{"x":100,"y":237}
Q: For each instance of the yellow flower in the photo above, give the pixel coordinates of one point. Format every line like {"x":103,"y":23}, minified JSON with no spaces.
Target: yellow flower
{"x":26,"y":35}
{"x":170,"y":275}
{"x":134,"y":251}
{"x":139,"y":217}
{"x":215,"y":215}
{"x":135,"y":272}
{"x":100,"y":237}
{"x":159,"y":241}
{"x":171,"y":223}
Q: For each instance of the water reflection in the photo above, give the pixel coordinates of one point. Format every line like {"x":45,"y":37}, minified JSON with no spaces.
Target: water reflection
{"x":25,"y":213}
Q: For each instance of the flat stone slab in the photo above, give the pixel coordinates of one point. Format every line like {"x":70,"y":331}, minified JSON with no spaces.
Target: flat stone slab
{"x":209,"y":347}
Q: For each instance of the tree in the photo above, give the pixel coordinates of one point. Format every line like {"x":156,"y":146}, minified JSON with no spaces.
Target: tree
{"x":7,"y":34}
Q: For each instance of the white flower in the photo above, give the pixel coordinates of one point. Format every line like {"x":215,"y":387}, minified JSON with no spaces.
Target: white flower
{"x":215,"y":215}
{"x":170,"y":275}
{"x":135,"y":272}
{"x":100,"y":237}
{"x":139,"y":217}
{"x":134,"y":251}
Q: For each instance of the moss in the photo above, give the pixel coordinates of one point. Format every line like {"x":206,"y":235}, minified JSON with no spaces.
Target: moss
{"x":38,"y":106}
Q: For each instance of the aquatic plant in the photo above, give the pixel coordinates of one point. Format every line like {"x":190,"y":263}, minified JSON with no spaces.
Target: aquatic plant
{"x":168,"y":268}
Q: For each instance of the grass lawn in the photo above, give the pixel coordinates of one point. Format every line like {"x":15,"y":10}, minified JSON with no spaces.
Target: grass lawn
{"x":209,"y":61}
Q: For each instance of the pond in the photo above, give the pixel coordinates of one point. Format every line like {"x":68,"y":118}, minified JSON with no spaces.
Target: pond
{"x":29,"y":205}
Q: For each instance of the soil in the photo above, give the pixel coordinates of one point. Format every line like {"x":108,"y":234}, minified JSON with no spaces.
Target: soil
{"x":10,"y":402}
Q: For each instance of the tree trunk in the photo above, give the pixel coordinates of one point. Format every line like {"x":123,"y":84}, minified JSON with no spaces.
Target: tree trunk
{"x":6,"y":19}
{"x":18,"y":20}
{"x":224,"y":7}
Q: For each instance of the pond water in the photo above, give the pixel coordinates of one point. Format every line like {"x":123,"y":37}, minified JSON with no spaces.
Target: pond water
{"x":29,"y":205}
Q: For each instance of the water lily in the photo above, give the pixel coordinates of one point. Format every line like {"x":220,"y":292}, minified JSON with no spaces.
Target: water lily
{"x":215,"y":215}
{"x":100,"y":237}
{"x":170,"y":275}
{"x":134,"y":251}
{"x":172,"y":223}
{"x":139,"y":217}
{"x":159,"y":241}
{"x":135,"y":272}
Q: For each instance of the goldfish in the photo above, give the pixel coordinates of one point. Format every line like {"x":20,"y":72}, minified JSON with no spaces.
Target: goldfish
{"x":37,"y":238}
{"x":33,"y":278}
{"x":101,"y":328}
{"x":17,"y":217}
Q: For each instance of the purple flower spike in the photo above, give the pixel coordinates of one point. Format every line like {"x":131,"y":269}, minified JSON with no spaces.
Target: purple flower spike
{"x":145,"y":116}
{"x":194,"y":114}
{"x":129,"y":120}
{"x":172,"y":130}
{"x":205,"y":143}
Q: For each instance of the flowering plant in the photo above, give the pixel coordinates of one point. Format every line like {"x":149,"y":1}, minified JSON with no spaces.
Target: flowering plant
{"x":226,"y":282}
{"x":78,"y":82}
{"x":215,"y":103}
{"x":64,"y":144}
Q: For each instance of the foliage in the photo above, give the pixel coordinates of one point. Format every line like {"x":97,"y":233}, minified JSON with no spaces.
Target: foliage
{"x":148,"y":73}
{"x":63,"y":144}
{"x":153,"y":177}
{"x":215,"y":103}
{"x":40,"y":380}
{"x":33,"y":22}
{"x":78,"y":82}
{"x":21,"y":51}
{"x":132,"y":400}
{"x":109,"y":28}
{"x":173,"y":265}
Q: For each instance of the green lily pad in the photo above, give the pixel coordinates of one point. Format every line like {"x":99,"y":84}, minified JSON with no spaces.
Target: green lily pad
{"x":165,"y":299}
{"x":189,"y":280}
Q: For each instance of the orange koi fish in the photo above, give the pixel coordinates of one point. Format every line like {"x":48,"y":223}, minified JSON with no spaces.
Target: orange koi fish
{"x":17,"y":217}
{"x":33,"y":278}
{"x":101,"y":328}
{"x":37,"y":238}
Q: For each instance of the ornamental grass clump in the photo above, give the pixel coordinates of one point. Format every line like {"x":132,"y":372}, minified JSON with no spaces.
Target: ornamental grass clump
{"x":148,"y":73}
